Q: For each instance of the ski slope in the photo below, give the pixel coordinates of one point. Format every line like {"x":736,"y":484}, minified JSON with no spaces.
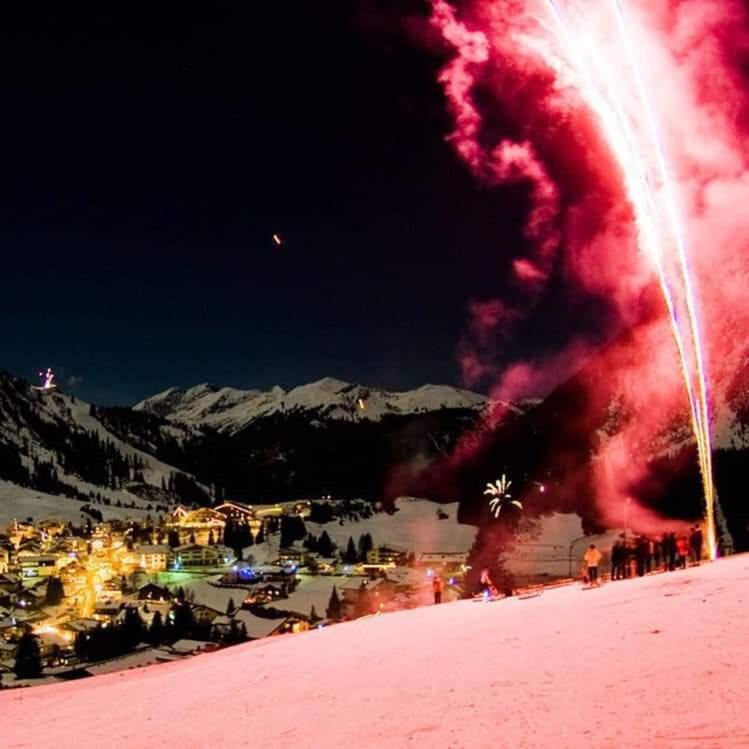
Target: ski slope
{"x":19,"y":503}
{"x":654,"y":662}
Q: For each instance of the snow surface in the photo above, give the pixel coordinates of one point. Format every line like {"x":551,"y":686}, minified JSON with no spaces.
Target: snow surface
{"x":19,"y":503}
{"x":228,"y":409}
{"x":653,"y":662}
{"x":415,"y":526}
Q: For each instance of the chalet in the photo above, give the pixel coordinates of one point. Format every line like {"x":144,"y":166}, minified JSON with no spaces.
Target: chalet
{"x":191,"y":647}
{"x":265,"y":593}
{"x":378,"y":591}
{"x":81,"y":625}
{"x":154,"y":557}
{"x":198,"y":526}
{"x":153,"y":592}
{"x":446,"y":561}
{"x":195,"y":555}
{"x":236,"y":511}
{"x":107,"y":609}
{"x":34,"y":564}
{"x":387,"y":555}
{"x":258,"y":627}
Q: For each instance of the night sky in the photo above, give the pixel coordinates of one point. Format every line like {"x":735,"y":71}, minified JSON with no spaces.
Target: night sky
{"x":151,"y":150}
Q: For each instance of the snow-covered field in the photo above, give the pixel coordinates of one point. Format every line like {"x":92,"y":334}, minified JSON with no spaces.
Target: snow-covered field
{"x":654,"y":662}
{"x":18,"y":503}
{"x":415,"y":526}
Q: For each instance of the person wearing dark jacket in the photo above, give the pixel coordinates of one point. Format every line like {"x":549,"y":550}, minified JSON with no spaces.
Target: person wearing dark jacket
{"x":695,"y":544}
{"x":641,"y":552}
{"x":672,"y":551}
{"x":617,"y":568}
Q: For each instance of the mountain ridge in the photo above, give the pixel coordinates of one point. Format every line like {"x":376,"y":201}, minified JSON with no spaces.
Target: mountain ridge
{"x":230,"y":410}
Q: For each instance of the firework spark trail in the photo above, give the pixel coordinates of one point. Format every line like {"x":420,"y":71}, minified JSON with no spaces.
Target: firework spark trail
{"x":630,"y":155}
{"x":703,"y":437}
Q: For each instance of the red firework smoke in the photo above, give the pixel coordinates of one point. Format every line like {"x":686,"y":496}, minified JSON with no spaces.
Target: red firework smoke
{"x":631,"y":117}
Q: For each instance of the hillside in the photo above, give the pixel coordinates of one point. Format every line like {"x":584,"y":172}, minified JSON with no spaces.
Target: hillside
{"x":640,"y":663}
{"x":55,"y":449}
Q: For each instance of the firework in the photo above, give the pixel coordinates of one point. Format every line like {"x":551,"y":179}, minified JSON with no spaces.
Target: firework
{"x":277,"y":240}
{"x":613,"y":87}
{"x":500,"y":493}
{"x":48,"y":380}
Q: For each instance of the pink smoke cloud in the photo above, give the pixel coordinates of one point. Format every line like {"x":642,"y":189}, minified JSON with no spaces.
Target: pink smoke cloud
{"x":691,"y":53}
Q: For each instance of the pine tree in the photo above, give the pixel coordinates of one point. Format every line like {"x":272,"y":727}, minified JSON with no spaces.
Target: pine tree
{"x":156,"y":632}
{"x":365,"y":546}
{"x":133,"y":628}
{"x":313,"y":616}
{"x":350,"y":555}
{"x":333,"y":612}
{"x":28,"y":658}
{"x":325,"y":547}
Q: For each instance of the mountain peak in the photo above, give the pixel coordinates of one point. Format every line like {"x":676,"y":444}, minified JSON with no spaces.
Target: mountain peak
{"x":230,"y":410}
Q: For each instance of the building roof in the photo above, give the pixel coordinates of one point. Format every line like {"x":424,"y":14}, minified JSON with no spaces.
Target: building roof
{"x":154,"y":549}
{"x":257,"y":626}
{"x":186,"y":647}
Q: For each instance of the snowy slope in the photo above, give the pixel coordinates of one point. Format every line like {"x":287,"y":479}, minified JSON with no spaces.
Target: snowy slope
{"x":641,"y":663}
{"x":39,"y":428}
{"x":229,"y":409}
{"x":414,"y":527}
{"x":19,"y":503}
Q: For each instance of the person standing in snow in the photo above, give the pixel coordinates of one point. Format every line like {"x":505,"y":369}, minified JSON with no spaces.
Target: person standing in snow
{"x":437,"y":586}
{"x":671,"y":551}
{"x":617,"y":572}
{"x":592,"y":557}
{"x":487,"y":586}
{"x":695,"y":544}
{"x":641,"y":552}
{"x":682,"y":547}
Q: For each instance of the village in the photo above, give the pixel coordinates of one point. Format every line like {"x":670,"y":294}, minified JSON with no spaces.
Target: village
{"x":118,"y":594}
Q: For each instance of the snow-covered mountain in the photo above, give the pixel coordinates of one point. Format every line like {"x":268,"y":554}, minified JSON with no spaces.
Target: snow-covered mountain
{"x":230,"y":410}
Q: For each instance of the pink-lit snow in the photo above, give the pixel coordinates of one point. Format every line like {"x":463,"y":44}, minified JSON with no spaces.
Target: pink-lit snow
{"x":653,"y":662}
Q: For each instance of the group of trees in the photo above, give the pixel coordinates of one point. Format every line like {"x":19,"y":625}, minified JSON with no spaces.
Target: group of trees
{"x":323,"y":545}
{"x":358,"y":552}
{"x":292,"y":529}
{"x":186,"y":489}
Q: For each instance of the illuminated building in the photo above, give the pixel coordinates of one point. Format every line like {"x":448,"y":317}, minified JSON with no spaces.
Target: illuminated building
{"x":386,"y":555}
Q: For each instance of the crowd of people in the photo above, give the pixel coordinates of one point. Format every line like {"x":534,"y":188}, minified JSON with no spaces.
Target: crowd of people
{"x":635,"y":556}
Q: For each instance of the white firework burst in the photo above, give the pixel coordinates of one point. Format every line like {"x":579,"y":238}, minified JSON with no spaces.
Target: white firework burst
{"x":500,"y":493}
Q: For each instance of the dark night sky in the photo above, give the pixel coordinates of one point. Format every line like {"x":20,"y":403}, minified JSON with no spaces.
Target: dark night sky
{"x":151,"y":150}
